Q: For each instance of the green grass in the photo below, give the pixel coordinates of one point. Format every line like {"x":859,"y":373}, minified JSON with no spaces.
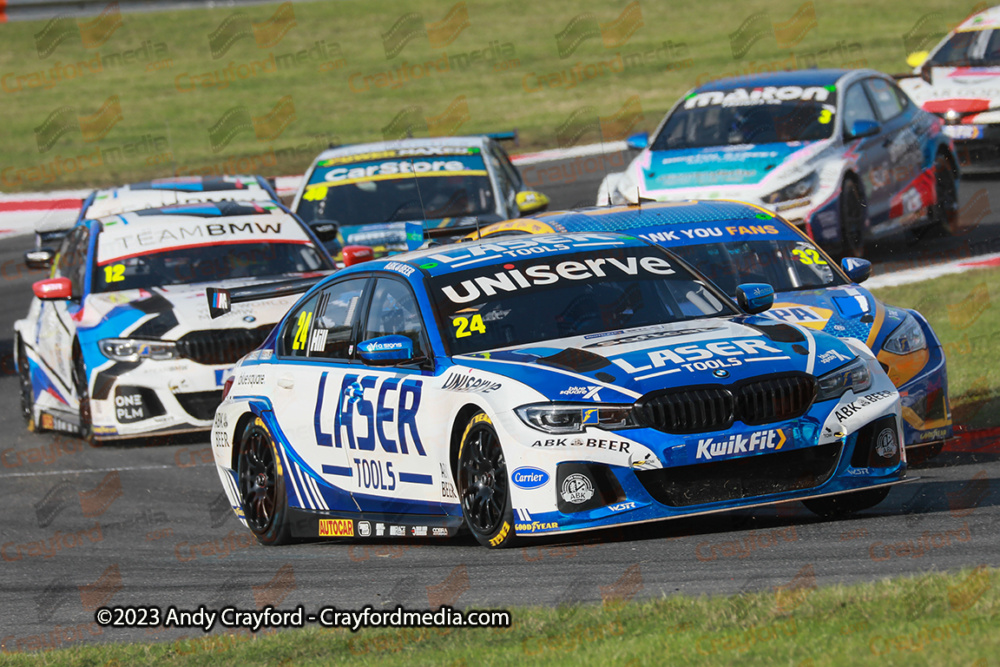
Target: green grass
{"x":964,"y":310}
{"x":933,"y":619}
{"x":167,"y":126}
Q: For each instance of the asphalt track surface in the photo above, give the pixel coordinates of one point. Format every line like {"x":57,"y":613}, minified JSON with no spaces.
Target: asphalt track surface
{"x":146,"y":524}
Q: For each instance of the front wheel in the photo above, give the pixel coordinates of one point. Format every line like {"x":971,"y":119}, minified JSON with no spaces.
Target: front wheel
{"x":83,"y":395}
{"x":846,"y":503}
{"x":27,"y":392}
{"x":944,"y":214}
{"x":483,"y":484}
{"x":262,"y":485}
{"x":852,"y":220}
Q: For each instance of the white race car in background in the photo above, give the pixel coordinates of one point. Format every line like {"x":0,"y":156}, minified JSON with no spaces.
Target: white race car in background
{"x":119,"y":342}
{"x":959,"y":80}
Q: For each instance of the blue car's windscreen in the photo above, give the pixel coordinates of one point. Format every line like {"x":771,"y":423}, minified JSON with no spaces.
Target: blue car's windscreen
{"x":785,"y":265}
{"x":398,"y":188}
{"x":748,"y":117}
{"x":531,"y":300}
{"x":207,"y":263}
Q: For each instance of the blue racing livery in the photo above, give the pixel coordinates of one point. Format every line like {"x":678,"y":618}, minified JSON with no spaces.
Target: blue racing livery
{"x":538,"y":385}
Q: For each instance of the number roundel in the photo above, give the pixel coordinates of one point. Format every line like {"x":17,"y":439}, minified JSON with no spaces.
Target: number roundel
{"x":808,"y":256}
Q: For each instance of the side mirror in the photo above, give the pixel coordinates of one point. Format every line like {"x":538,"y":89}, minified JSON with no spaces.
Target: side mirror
{"x":325,"y":230}
{"x":755,"y":297}
{"x":638,"y":141}
{"x":917,"y":59}
{"x":356,"y":254}
{"x":386,"y":350}
{"x":39,"y":258}
{"x":864,"y":128}
{"x":53,"y":289}
{"x":529,"y":201}
{"x":857,"y":269}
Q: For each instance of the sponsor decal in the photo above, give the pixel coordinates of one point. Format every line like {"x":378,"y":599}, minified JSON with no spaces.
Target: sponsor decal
{"x":710,"y":449}
{"x":250,"y":378}
{"x":535,"y":526}
{"x":336,"y":528}
{"x":119,"y":241}
{"x":537,"y":275}
{"x":419,"y":531}
{"x":439,"y":532}
{"x":597,"y":443}
{"x":397,"y":531}
{"x":529,"y":478}
{"x":371,"y":411}
{"x":448,"y":490}
{"x":702,"y":356}
{"x":459,"y":382}
{"x":933,"y":434}
{"x":807,"y":316}
{"x":885,"y":444}
{"x":855,"y":406}
{"x":577,"y":489}
{"x":517,"y":248}
{"x":588,"y":393}
{"x":364,"y":528}
{"x":399,"y":267}
{"x":621,"y":507}
{"x":859,"y":471}
{"x":638,"y":338}
{"x":832,"y":355}
{"x":739,"y":97}
{"x":379,"y":529}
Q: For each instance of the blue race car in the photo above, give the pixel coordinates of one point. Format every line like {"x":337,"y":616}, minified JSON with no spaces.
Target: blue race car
{"x":844,"y":154}
{"x":734,"y":243}
{"x":539,"y":386}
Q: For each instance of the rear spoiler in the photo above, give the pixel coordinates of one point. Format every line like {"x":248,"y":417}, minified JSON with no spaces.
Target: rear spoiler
{"x":220,"y":300}
{"x":505,"y":136}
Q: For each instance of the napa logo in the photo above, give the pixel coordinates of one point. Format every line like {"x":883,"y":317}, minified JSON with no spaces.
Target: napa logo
{"x":529,"y":478}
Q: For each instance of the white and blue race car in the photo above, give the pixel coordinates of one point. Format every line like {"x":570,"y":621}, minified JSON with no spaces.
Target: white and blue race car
{"x":843,"y":154}
{"x":118,"y":342}
{"x":540,"y":386}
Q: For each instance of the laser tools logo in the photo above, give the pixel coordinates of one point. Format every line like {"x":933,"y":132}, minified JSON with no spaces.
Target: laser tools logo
{"x":758,"y":26}
{"x":238,"y":25}
{"x":91,"y":33}
{"x":585,"y":26}
{"x":93,"y":127}
{"x":412,"y":25}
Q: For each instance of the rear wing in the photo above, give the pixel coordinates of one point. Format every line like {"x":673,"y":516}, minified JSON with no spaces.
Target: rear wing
{"x":505,"y":136}
{"x":221,"y":300}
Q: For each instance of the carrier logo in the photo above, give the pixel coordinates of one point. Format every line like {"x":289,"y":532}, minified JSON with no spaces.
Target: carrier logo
{"x":708,"y":449}
{"x":529,"y":478}
{"x":336,"y":528}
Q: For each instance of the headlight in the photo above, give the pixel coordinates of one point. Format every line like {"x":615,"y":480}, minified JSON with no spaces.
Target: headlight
{"x":574,"y":417}
{"x":906,"y":338}
{"x":797,"y":190}
{"x":854,"y":376}
{"x":133,"y":349}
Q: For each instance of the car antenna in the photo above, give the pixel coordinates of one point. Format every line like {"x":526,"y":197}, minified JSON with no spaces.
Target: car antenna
{"x":420,"y":198}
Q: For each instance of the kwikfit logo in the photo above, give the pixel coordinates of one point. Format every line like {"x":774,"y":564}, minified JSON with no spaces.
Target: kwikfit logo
{"x":709,"y":448}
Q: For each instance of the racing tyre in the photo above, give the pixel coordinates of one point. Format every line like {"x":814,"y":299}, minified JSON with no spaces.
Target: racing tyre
{"x":483,"y":484}
{"x":83,"y":393}
{"x":852,"y":220}
{"x":262,"y":486}
{"x":27,"y":393}
{"x":846,"y":503}
{"x":944,"y":215}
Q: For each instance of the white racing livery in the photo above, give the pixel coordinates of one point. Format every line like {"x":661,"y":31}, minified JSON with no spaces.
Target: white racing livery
{"x":119,"y":343}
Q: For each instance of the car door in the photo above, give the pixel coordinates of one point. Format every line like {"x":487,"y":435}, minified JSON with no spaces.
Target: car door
{"x":869,"y":154}
{"x":904,"y":149}
{"x":315,"y":354}
{"x":394,"y":459}
{"x":57,"y":329}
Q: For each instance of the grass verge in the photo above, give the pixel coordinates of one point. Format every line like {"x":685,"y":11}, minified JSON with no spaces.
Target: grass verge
{"x":932,"y":619}
{"x":264,"y":88}
{"x":963,"y":311}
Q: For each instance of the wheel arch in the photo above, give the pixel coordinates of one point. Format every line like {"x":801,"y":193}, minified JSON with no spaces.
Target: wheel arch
{"x":245,"y":420}
{"x":461,"y":420}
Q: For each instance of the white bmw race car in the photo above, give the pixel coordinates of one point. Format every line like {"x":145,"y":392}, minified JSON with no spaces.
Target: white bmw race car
{"x":119,"y":343}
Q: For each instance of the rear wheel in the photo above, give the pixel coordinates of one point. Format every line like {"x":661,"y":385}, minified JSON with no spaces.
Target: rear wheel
{"x":852,"y":220}
{"x":27,"y":392}
{"x":944,"y":214}
{"x":846,"y":503}
{"x":262,"y":485}
{"x":483,"y":485}
{"x":83,"y":395}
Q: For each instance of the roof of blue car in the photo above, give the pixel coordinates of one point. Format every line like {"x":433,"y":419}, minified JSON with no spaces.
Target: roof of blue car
{"x":601,"y":218}
{"x":806,"y":77}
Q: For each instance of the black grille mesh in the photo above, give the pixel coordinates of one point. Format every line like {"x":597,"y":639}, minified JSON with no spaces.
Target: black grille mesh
{"x":224,"y":346}
{"x":715,"y":407}
{"x":200,"y":404}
